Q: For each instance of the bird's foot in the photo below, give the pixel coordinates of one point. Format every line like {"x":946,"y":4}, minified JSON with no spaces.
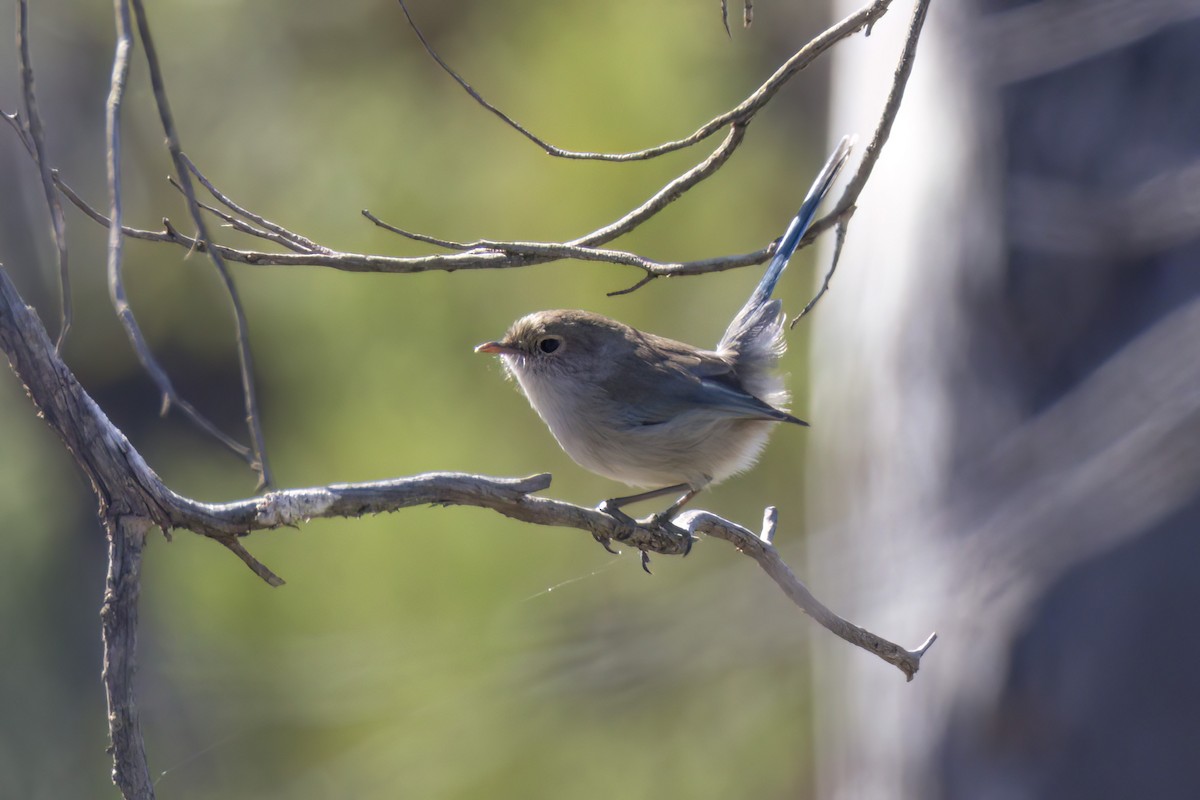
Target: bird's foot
{"x":663,"y":522}
{"x":613,"y":510}
{"x":660,"y":521}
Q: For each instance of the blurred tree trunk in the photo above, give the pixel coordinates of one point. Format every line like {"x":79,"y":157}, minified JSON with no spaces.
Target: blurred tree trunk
{"x":1007,"y":410}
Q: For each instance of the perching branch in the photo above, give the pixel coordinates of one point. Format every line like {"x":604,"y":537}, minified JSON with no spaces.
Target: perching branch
{"x":128,"y":487}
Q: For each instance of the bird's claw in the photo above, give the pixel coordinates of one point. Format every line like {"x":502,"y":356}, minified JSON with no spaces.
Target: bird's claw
{"x":646,"y":562}
{"x":606,"y":543}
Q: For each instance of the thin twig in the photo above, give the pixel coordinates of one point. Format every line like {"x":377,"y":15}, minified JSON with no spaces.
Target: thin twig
{"x":301,"y":243}
{"x":242,"y":226}
{"x":857,"y":21}
{"x":887,"y":118}
{"x":257,"y":567}
{"x":669,"y":193}
{"x":521,"y":254}
{"x":484,"y":254}
{"x":502,"y":255}
{"x":845,"y":206}
{"x":37,"y":138}
{"x":416,"y":237}
{"x":245,"y":358}
{"x":116,"y":231}
{"x":839,"y":241}
{"x":649,"y":276}
{"x":585,"y":247}
{"x":759,"y":548}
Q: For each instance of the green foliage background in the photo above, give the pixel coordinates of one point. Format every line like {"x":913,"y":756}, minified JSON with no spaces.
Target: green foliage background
{"x":420,"y":654}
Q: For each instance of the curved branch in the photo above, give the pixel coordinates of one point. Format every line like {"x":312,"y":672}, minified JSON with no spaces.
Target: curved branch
{"x":761,"y":549}
{"x":742,"y":112}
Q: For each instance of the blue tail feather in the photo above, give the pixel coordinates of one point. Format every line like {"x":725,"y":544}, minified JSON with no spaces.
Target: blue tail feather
{"x":799,"y":224}
{"x":756,"y":326}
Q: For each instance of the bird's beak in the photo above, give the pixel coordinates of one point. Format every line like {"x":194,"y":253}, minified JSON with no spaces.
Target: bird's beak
{"x":499,"y":348}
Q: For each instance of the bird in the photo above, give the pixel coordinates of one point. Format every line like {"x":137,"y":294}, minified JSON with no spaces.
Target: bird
{"x":649,"y":411}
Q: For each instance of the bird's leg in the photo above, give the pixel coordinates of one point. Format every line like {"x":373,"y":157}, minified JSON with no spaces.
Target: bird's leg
{"x":613,"y":507}
{"x":609,"y":506}
{"x":663,"y":518}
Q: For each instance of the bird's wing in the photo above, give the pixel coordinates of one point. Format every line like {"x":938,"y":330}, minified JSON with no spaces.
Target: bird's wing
{"x":688,"y":378}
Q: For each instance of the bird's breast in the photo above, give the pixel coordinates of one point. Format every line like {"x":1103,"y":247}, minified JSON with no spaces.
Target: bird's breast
{"x":593,"y":427}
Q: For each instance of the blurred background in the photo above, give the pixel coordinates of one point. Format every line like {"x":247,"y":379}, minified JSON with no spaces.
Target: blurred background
{"x":1003,"y":384}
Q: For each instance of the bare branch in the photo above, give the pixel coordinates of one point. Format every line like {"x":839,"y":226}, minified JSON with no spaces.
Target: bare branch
{"x":119,"y":618}
{"x":242,"y":226}
{"x":128,"y":487}
{"x":839,"y":242}
{"x":669,"y":193}
{"x":37,"y":142}
{"x":245,"y":359}
{"x":484,"y":254}
{"x":747,"y":15}
{"x":759,"y":548}
{"x":416,"y":237}
{"x":116,"y":281}
{"x":298,"y":243}
{"x":742,"y":113}
{"x":649,"y":276}
{"x":886,"y":119}
{"x":844,"y":208}
{"x":502,"y":255}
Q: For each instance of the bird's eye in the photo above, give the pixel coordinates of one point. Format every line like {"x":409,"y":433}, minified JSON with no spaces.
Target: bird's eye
{"x":548,"y":344}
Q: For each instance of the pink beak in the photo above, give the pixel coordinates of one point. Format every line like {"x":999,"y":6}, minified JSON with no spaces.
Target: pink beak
{"x":499,"y":348}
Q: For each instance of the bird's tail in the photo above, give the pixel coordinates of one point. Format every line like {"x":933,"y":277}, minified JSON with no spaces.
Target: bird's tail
{"x":758,"y":315}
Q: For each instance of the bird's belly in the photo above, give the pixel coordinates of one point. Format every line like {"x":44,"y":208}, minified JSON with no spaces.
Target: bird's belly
{"x":698,"y":448}
{"x":678,"y":451}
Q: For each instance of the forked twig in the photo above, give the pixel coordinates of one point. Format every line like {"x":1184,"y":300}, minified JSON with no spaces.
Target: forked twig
{"x":298,"y":243}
